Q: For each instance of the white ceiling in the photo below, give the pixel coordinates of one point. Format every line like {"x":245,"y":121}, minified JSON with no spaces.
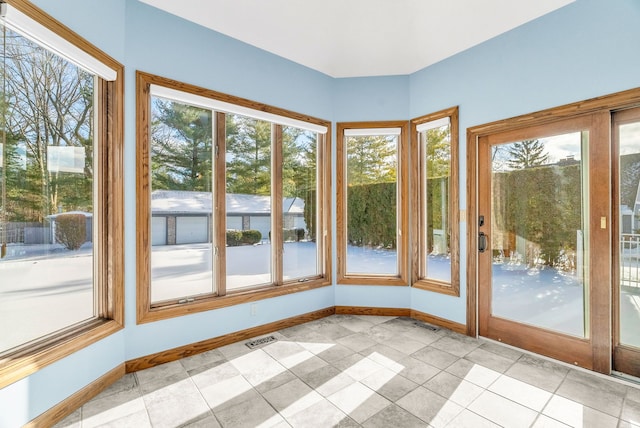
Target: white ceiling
{"x":349,"y":38}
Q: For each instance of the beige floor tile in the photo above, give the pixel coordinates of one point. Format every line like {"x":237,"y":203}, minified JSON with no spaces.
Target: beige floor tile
{"x":389,"y":384}
{"x":228,"y":392}
{"x":321,"y":414}
{"x":474,"y":373}
{"x":631,"y":411}
{"x":358,"y":402}
{"x":357,"y":342}
{"x":257,"y":366}
{"x":468,"y":419}
{"x":522,"y":393}
{"x":154,"y":375}
{"x":255,"y":412}
{"x":582,"y":392}
{"x":489,"y":360}
{"x":453,"y":388}
{"x":138,"y":419}
{"x":544,"y":421}
{"x":577,"y":415}
{"x":435,"y":357}
{"x":417,"y":371}
{"x":455,"y":345}
{"x":292,"y":397}
{"x":111,"y":408}
{"x":200,"y":360}
{"x":538,"y":372}
{"x":502,"y":411}
{"x":430,"y":407}
{"x":175,"y":405}
{"x":394,"y":416}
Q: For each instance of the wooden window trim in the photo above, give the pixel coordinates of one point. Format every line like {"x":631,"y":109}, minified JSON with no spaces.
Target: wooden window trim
{"x":403,"y":213}
{"x":606,"y":103}
{"x":419,"y":279}
{"x":146,"y":312}
{"x":33,"y":356}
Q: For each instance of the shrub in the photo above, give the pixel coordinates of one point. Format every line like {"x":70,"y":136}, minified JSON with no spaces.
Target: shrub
{"x":299,"y":234}
{"x":251,"y":236}
{"x":234,"y":237}
{"x":71,"y":230}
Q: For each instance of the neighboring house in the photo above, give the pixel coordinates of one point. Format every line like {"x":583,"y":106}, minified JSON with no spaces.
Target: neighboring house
{"x":184,"y":217}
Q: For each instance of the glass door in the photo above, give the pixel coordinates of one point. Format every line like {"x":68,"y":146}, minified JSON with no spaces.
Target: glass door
{"x":536,"y":267}
{"x":626,"y":241}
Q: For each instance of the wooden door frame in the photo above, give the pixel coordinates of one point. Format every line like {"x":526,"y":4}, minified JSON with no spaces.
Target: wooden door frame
{"x":602,"y":346}
{"x":624,"y":357}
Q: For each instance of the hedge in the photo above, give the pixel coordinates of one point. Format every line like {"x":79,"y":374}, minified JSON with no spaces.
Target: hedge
{"x":71,"y":230}
{"x":243,"y":237}
{"x":371,"y":215}
{"x":542,"y":205}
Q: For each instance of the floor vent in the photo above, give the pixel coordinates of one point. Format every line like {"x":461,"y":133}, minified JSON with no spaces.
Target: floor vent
{"x":427,"y":326}
{"x":259,"y":342}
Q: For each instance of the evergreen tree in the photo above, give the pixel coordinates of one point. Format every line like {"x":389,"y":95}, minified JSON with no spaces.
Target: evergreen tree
{"x":527,"y":154}
{"x":438,"y":152}
{"x":299,"y":162}
{"x":371,"y":159}
{"x":248,"y":155}
{"x":181,"y":155}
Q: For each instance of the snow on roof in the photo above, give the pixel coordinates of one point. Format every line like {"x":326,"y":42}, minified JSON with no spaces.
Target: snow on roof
{"x":186,"y":202}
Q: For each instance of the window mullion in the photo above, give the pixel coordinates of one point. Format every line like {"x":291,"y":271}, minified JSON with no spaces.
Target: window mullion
{"x":277,"y":224}
{"x":220,"y":202}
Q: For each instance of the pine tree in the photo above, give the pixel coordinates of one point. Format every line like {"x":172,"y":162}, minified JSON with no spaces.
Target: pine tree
{"x":371,"y":159}
{"x":181,"y":157}
{"x":248,"y":155}
{"x":527,"y":154}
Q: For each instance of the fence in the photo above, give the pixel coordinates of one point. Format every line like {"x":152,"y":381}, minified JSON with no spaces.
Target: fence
{"x":24,"y":233}
{"x":630,"y":260}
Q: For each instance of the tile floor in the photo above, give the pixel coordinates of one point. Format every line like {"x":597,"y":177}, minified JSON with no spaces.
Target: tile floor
{"x":351,"y":371}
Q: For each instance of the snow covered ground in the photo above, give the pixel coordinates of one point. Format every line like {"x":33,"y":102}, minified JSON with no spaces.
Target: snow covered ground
{"x":51,"y":283}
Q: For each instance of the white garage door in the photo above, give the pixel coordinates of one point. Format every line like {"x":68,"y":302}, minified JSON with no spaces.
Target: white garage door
{"x":191,"y":230}
{"x":234,"y":222}
{"x":263,"y":224}
{"x":158,"y":231}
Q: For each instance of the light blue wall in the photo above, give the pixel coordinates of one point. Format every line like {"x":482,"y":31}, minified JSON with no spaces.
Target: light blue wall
{"x":100,"y":22}
{"x":586,"y":49}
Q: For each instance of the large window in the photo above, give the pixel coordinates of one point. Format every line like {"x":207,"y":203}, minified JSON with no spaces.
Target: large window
{"x":434,"y":159}
{"x":372,"y":203}
{"x":232,"y":200}
{"x":60,"y":208}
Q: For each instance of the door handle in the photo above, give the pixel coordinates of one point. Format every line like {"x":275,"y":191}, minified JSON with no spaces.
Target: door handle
{"x":482,"y":242}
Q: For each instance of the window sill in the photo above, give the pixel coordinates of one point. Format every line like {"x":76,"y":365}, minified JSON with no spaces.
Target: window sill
{"x":437,"y":287}
{"x":173,"y":310}
{"x":23,"y":362}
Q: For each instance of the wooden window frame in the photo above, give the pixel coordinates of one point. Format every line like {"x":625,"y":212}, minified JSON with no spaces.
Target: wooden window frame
{"x":402,"y":278}
{"x":109,"y":250}
{"x":419,"y":275}
{"x":148,"y":312}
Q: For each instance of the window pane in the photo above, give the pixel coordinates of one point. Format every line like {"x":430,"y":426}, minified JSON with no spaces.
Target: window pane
{"x":299,"y":209}
{"x":372,"y":163}
{"x":47,"y":196}
{"x":629,"y":161}
{"x":248,"y":164}
{"x":437,"y":175}
{"x":539,"y":240}
{"x":181,"y":200}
